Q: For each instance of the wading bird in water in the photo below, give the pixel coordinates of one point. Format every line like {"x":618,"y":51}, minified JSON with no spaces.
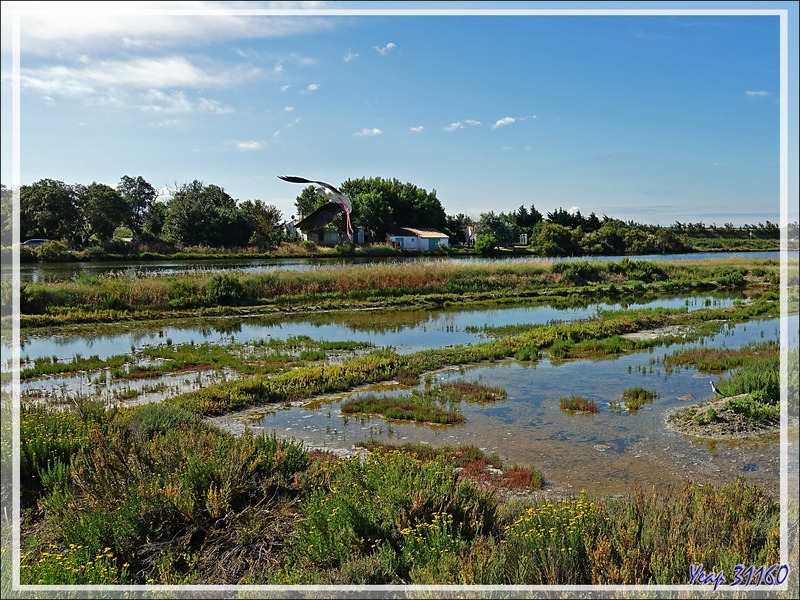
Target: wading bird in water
{"x":338,"y":203}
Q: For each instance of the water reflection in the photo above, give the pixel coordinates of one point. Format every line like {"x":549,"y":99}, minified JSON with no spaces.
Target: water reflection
{"x":608,"y":452}
{"x":406,"y":331}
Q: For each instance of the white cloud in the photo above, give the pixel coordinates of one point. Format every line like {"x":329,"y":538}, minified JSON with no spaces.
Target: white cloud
{"x":503,"y":121}
{"x":573,"y":210}
{"x":142,"y":73}
{"x":383,"y":51}
{"x":460,"y":125}
{"x":416,"y":129}
{"x":173,"y":102}
{"x":50,"y":27}
{"x":284,"y":88}
{"x":350,"y":56}
{"x":251,"y":145}
{"x":368,"y":132}
{"x":312,"y":87}
{"x":756,"y":94}
{"x":509,"y":120}
{"x":288,"y":108}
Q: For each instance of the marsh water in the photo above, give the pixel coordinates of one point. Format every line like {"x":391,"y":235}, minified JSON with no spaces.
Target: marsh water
{"x":608,"y":452}
{"x":67,"y":271}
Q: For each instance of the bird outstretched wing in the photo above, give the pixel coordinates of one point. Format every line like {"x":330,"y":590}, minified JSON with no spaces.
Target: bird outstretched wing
{"x":293,"y":179}
{"x":320,"y":217}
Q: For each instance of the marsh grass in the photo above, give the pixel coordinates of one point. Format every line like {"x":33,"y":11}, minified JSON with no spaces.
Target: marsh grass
{"x":635,"y":398}
{"x":438,"y":404}
{"x":720,"y":360}
{"x":103,"y":297}
{"x":470,"y":462}
{"x":155,"y":496}
{"x":577,"y":403}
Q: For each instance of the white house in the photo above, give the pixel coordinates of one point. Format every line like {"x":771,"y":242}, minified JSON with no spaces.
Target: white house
{"x":408,"y":238}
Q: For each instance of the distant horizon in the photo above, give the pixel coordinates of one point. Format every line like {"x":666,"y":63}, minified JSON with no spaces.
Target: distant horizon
{"x":669,"y":114}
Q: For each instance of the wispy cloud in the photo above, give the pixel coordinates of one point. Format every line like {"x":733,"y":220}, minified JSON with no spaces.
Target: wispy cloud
{"x":460,"y":125}
{"x":172,"y":102}
{"x":142,"y":73}
{"x":368,"y":132}
{"x":251,"y":145}
{"x":350,"y":56}
{"x":384,"y":50}
{"x":311,"y":87}
{"x":416,"y":129}
{"x":288,"y":108}
{"x":509,"y":120}
{"x":756,"y":93}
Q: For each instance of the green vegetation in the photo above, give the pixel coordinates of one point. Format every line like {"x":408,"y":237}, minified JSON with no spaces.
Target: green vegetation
{"x":262,"y":357}
{"x":153,"y":495}
{"x":755,"y":371}
{"x":635,"y":398}
{"x":577,"y":404}
{"x":438,"y":404}
{"x":420,"y":284}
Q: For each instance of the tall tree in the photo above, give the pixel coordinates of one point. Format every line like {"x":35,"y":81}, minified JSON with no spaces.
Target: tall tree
{"x":49,"y":209}
{"x":265,"y":221}
{"x":139,"y":196}
{"x":205,"y":216}
{"x":104,"y":209}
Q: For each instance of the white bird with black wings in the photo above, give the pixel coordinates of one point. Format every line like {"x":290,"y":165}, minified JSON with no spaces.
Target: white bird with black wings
{"x":338,"y":203}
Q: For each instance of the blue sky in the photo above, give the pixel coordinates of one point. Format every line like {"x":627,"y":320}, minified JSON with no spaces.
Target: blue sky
{"x":652,"y":118}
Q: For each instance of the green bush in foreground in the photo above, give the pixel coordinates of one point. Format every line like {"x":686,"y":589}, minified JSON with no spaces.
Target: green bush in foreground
{"x":153,"y":496}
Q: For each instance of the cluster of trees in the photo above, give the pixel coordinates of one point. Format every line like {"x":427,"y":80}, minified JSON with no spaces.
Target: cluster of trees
{"x":198,"y":214}
{"x":569,"y":233}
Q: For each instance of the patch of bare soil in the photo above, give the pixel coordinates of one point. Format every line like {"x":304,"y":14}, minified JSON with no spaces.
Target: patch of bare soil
{"x":653,"y":334}
{"x":725,"y":424}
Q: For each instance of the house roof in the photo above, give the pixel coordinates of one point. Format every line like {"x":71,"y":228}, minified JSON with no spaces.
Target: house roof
{"x":418,"y":232}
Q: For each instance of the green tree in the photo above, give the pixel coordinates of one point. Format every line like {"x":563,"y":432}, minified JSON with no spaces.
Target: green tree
{"x":49,"y":209}
{"x":155,"y":218}
{"x":485,"y":243}
{"x":6,"y":214}
{"x":139,"y":197}
{"x":497,"y":227}
{"x":374,"y":214}
{"x":456,"y":227}
{"x":104,"y":209}
{"x":557,"y":240}
{"x":200,"y":215}
{"x":266,"y":222}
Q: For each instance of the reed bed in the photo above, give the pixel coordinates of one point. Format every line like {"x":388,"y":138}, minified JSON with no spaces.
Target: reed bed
{"x":577,"y":404}
{"x":452,"y":281}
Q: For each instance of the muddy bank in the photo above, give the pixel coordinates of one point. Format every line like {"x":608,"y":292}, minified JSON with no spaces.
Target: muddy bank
{"x":726,"y":424}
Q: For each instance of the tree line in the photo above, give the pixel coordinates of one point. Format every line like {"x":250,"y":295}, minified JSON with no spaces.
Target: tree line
{"x":199,"y":214}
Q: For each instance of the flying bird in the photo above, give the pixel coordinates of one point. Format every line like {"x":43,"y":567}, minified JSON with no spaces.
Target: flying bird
{"x":338,"y":203}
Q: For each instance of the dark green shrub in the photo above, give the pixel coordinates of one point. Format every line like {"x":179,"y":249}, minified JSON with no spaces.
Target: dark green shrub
{"x":184,"y":293}
{"x":53,"y":251}
{"x":485,"y":243}
{"x":224,"y":290}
